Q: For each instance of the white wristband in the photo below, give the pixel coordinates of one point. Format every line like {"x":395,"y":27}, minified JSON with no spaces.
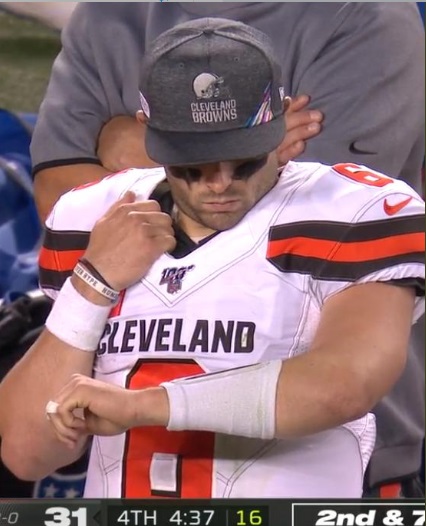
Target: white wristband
{"x":77,"y":321}
{"x":107,"y":292}
{"x":237,"y":402}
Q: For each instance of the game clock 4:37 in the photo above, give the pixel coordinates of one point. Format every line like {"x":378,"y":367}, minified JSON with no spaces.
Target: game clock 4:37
{"x":188,"y":516}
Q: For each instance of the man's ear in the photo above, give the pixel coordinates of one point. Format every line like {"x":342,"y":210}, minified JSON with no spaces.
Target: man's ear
{"x":141,"y":117}
{"x":286,"y":103}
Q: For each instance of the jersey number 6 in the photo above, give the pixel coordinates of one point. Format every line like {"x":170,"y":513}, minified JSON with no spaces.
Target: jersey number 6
{"x":161,"y":463}
{"x":361,"y":174}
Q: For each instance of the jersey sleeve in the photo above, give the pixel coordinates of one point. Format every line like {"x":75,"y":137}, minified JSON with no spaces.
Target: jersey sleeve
{"x":385,"y":242}
{"x":68,"y":227}
{"x":75,"y":107}
{"x":359,"y":96}
{"x":59,"y":255}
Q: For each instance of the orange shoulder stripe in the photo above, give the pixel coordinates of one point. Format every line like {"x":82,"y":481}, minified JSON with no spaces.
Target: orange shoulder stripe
{"x":351,"y":252}
{"x":63,"y":260}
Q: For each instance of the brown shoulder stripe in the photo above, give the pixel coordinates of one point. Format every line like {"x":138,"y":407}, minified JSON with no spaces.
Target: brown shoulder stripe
{"x":332,"y":271}
{"x":65,"y":239}
{"x":59,"y":255}
{"x":51,"y":279}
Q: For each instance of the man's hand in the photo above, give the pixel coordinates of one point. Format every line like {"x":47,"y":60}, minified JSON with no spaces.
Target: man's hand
{"x":301,"y":125}
{"x":90,"y":407}
{"x":128,"y":239}
{"x":108,"y":410}
{"x":121,"y":145}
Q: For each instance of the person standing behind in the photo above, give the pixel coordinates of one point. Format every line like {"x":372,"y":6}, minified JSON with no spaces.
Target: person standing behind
{"x":370,"y":53}
{"x":362,"y":64}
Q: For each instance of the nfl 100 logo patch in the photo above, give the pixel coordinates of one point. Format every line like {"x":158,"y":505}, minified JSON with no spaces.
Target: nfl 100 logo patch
{"x":173,"y":277}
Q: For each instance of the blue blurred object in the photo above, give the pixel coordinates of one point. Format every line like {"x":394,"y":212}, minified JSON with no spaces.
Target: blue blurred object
{"x":421,"y":6}
{"x":20,"y":229}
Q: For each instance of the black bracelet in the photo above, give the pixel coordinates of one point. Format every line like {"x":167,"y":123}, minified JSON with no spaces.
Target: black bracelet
{"x":95,"y":273}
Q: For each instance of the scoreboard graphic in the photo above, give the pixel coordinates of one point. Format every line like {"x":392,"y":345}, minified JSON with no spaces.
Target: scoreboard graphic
{"x":230,"y":512}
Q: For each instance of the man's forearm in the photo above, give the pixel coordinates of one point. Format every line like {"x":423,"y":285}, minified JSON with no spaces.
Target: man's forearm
{"x":357,"y":355}
{"x":51,"y":183}
{"x":309,"y":396}
{"x":306,"y":397}
{"x":29,"y":448}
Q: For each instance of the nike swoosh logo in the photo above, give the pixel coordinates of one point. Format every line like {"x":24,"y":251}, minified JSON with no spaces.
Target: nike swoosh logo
{"x":357,"y":151}
{"x":391,"y":210}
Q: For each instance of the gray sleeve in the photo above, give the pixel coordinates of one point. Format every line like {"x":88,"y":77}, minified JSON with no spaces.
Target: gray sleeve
{"x":75,"y":107}
{"x":369,"y":81}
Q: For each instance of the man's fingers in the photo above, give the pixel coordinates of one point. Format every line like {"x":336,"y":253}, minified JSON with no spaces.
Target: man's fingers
{"x":168,"y":243}
{"x":66,"y":424}
{"x":155,"y":231}
{"x":163,"y":241}
{"x":65,"y":434}
{"x":294,"y":142}
{"x":302,"y":133}
{"x":128,"y":201}
{"x":142,"y":206}
{"x":126,"y":198}
{"x":298,"y":103}
{"x":152,"y":218}
{"x":302,"y":118}
{"x":290,"y":152}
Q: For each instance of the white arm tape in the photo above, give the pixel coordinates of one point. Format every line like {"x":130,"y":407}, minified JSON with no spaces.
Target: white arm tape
{"x":77,"y":321}
{"x":51,"y":407}
{"x":237,"y":402}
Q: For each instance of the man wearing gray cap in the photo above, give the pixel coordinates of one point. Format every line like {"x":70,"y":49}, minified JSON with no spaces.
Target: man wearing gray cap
{"x":239,"y":319}
{"x":362,"y":64}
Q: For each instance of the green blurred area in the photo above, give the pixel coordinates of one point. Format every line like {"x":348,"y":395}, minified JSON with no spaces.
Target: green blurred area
{"x":27,"y":50}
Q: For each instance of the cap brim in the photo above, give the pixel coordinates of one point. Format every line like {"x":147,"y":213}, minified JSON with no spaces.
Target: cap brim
{"x":178,"y":148}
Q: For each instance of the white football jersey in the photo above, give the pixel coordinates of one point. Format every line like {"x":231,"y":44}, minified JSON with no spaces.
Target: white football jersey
{"x":250,"y":294}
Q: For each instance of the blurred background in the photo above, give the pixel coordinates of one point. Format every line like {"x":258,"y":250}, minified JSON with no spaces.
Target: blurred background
{"x":29,"y":41}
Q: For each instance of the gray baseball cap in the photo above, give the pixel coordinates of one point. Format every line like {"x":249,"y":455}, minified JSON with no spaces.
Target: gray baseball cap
{"x":211,"y":89}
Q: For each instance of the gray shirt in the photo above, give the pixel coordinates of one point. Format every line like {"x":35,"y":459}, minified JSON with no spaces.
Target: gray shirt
{"x":361,"y":63}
